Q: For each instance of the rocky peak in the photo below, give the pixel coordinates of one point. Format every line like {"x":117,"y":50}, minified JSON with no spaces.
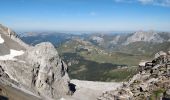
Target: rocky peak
{"x":7,"y":31}
{"x":149,"y":36}
{"x":49,"y":72}
{"x":37,"y":69}
{"x":11,"y":38}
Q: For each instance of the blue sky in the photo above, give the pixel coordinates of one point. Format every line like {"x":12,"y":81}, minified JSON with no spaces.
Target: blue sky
{"x":86,"y":15}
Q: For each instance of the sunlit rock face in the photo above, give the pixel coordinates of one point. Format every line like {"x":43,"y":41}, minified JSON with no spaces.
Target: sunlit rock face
{"x":144,"y":36}
{"x":49,"y":72}
{"x":37,"y":69}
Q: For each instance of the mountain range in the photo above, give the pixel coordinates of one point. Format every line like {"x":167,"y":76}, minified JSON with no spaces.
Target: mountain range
{"x":103,"y":51}
{"x":109,"y":42}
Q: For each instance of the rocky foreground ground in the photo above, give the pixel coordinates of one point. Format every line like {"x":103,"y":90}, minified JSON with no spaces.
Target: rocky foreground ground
{"x":151,"y":83}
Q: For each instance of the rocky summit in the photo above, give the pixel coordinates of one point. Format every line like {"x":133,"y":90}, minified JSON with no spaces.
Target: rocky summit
{"x":30,"y":73}
{"x":151,"y":83}
{"x":144,"y":36}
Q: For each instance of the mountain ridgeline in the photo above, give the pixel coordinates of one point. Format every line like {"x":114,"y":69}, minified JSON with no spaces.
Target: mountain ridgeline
{"x":86,"y":54}
{"x":141,"y":42}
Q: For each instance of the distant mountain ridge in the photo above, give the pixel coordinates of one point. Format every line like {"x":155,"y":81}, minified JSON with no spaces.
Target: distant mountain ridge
{"x":126,"y":42}
{"x":145,"y":36}
{"x":140,"y":43}
{"x":116,"y":49}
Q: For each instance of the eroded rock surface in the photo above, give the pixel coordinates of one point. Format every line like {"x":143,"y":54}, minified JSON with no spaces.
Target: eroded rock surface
{"x":38,"y":69}
{"x":49,"y":71}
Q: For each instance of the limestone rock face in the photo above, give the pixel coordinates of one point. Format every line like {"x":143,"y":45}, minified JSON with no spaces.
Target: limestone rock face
{"x":38,"y":69}
{"x":144,"y":36}
{"x":8,"y":33}
{"x":49,"y":72}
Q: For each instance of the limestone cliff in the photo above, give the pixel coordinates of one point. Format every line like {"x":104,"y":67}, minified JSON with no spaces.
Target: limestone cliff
{"x":38,"y":69}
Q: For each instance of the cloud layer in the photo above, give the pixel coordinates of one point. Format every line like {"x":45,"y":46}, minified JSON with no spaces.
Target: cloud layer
{"x":164,"y":3}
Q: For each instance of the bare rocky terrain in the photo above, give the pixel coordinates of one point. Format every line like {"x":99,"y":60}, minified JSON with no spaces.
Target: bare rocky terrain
{"x":38,"y":70}
{"x":151,"y":83}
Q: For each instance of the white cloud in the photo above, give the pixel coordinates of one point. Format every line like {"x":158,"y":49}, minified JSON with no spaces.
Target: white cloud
{"x":124,"y":1}
{"x":164,"y":3}
{"x":156,"y":2}
{"x":146,"y":1}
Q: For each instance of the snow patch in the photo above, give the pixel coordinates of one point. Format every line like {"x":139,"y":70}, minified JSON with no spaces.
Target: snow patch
{"x":142,"y":63}
{"x":94,"y":85}
{"x":1,"y":39}
{"x":62,"y":99}
{"x":13,"y":53}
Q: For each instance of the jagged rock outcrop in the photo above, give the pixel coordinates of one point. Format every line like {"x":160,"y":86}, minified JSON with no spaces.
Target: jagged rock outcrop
{"x":8,"y":33}
{"x":49,"y":71}
{"x":152,"y":82}
{"x":38,"y":69}
{"x":144,"y":36}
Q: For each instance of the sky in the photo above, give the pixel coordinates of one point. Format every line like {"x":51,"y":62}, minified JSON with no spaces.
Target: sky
{"x":86,"y":15}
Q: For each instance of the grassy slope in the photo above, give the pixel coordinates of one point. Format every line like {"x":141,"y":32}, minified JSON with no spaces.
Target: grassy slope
{"x":116,"y":58}
{"x":94,"y":71}
{"x":126,"y":58}
{"x":145,"y":48}
{"x":87,"y":70}
{"x":96,"y":66}
{"x":93,"y":65}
